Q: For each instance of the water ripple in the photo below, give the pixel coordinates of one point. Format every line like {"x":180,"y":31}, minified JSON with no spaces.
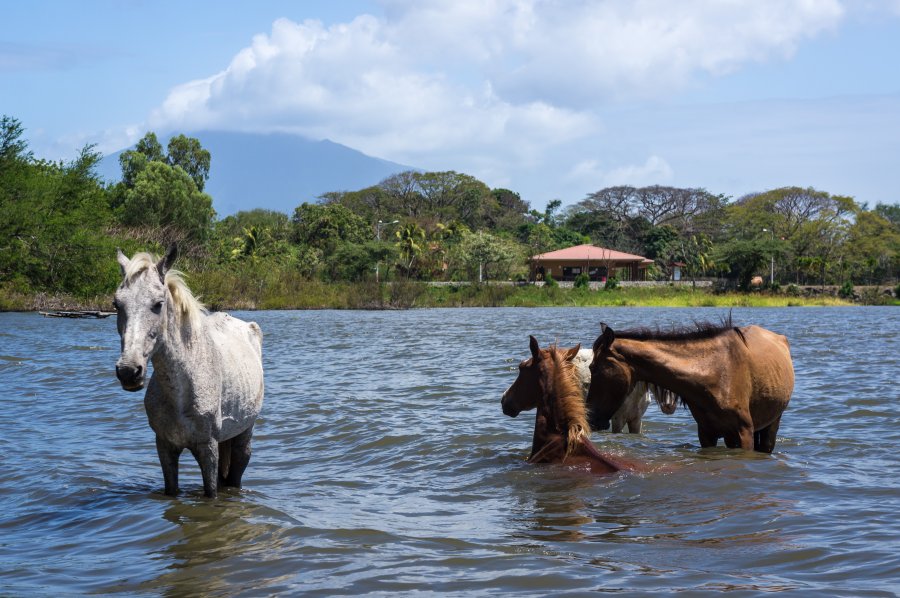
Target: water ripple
{"x":382,"y":464}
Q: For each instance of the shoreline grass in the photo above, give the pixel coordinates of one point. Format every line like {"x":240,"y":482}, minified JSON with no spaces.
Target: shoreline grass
{"x":274,"y":292}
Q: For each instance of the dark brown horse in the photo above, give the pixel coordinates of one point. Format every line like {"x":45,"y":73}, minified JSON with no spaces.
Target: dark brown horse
{"x":561,"y":431}
{"x":736,"y":381}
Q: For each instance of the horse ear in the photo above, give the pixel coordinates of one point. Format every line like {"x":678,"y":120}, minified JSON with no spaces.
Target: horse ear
{"x":535,"y":348}
{"x":165,"y":264}
{"x":123,"y":260}
{"x":606,"y":338}
{"x":571,"y":353}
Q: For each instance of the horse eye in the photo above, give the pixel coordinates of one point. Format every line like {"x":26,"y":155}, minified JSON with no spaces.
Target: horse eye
{"x":157,"y":307}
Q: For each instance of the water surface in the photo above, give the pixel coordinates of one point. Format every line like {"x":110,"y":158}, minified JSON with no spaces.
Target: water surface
{"x":382,"y":463}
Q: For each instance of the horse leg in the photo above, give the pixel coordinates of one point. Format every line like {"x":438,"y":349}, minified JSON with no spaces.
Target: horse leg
{"x":224,"y":461}
{"x":742,"y":438}
{"x":634,"y":425}
{"x":240,"y":457}
{"x":707,"y":437}
{"x":168,"y":460}
{"x":764,"y":440}
{"x":207,"y":456}
{"x":617,"y":424}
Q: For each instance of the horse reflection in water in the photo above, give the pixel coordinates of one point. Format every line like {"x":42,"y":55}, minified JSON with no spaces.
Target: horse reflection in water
{"x":561,"y":429}
{"x":207,"y":384}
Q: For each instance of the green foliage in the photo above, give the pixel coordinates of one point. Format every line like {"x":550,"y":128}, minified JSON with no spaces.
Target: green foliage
{"x":165,"y":192}
{"x":583,"y":281}
{"x":410,"y":244}
{"x":325,"y":226}
{"x":187,"y":154}
{"x":550,"y":282}
{"x":51,"y":220}
{"x":163,"y":196}
{"x":612,"y":284}
{"x":487,"y":257}
{"x":846,"y":290}
{"x":59,"y":227}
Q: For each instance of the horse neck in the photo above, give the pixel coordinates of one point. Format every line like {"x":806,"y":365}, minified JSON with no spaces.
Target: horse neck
{"x":677,"y":365}
{"x":181,"y":341}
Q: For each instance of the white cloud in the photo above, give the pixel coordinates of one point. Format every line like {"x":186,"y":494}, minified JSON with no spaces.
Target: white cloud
{"x":590,"y":173}
{"x":490,"y":87}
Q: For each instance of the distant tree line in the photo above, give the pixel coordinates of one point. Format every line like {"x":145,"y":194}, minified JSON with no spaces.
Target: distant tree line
{"x":60,"y":224}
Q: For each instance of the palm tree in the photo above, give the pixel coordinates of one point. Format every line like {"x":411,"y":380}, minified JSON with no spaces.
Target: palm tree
{"x":411,"y":243}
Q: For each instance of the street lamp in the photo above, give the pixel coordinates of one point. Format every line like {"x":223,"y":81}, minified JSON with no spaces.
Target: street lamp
{"x":378,"y":226}
{"x":772,"y":262}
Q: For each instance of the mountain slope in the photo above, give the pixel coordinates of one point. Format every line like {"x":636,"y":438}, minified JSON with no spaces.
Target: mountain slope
{"x":276,"y":171}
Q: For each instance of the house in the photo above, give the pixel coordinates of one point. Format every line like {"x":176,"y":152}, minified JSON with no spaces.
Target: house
{"x":598,"y":262}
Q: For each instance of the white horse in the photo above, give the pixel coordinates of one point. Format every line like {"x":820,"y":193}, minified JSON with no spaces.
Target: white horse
{"x":207,"y":385}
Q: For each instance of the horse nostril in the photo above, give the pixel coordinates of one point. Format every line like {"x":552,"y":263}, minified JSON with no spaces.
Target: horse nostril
{"x":129,"y":373}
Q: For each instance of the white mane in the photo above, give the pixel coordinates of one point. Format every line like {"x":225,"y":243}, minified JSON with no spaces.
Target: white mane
{"x":187,"y":307}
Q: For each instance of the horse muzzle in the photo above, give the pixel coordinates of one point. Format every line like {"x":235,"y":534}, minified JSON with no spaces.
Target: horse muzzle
{"x":130,"y":376}
{"x":599,"y":423}
{"x":509,"y":409}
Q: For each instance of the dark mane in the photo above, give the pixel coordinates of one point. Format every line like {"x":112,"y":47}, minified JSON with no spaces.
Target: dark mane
{"x":699,"y":330}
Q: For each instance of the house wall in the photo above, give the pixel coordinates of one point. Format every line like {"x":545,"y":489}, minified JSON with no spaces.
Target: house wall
{"x":627,"y":271}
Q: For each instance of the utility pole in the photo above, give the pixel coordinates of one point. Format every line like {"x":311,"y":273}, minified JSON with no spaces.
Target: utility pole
{"x":772,"y":261}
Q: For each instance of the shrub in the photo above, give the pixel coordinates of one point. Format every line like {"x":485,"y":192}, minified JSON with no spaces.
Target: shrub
{"x":793,"y":290}
{"x":582,"y":281}
{"x":550,"y":282}
{"x":611,"y":284}
{"x":846,"y":290}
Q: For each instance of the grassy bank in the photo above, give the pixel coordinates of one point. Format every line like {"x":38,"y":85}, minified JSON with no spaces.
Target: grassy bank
{"x":276,"y":291}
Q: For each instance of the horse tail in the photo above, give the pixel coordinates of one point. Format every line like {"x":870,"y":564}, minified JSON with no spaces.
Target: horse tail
{"x":224,"y":458}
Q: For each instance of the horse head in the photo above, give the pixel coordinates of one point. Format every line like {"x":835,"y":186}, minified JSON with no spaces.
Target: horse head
{"x":141,"y":303}
{"x":525,"y":392}
{"x":611,"y":380}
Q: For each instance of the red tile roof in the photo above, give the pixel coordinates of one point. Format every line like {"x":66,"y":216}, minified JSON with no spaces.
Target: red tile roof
{"x":584,"y":253}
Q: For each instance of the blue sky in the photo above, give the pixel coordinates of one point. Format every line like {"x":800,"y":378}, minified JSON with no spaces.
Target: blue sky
{"x":553,"y":99}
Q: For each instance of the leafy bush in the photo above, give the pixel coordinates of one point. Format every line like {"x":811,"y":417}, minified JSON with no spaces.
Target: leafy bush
{"x":582,"y":281}
{"x":793,"y":290}
{"x":611,"y":284}
{"x":846,"y":290}
{"x":550,"y":282}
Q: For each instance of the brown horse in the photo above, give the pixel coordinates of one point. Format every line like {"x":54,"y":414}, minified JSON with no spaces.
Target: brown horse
{"x":561,"y":430}
{"x":736,"y":381}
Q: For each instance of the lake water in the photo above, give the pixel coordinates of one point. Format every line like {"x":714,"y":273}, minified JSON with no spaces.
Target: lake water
{"x":383,"y":464}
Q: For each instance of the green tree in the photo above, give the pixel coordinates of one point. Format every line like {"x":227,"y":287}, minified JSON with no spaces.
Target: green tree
{"x":166,"y":197}
{"x":410,"y":244}
{"x":872,"y":249}
{"x":53,"y":218}
{"x":661,"y":244}
{"x":189,"y":155}
{"x":325,"y":226}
